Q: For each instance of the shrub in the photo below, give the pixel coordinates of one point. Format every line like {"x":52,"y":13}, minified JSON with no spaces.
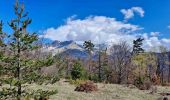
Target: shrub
{"x":142,"y":83}
{"x":147,"y":85}
{"x":76,"y":82}
{"x":138,"y":81}
{"x":88,"y":86}
{"x":77,"y":71}
{"x":55,"y":79}
{"x":165,"y":84}
{"x":93,"y":77}
{"x":41,"y":94}
{"x":68,"y":77}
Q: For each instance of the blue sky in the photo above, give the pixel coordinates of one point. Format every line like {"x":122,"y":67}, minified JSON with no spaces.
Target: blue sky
{"x":54,"y":13}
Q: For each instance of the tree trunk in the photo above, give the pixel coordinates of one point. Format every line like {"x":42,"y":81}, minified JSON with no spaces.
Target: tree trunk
{"x":169,"y":75}
{"x":169,"y":70}
{"x":90,"y":62}
{"x":18,"y":71}
{"x":99,"y":73}
{"x":119,"y":78}
{"x":162,"y":77}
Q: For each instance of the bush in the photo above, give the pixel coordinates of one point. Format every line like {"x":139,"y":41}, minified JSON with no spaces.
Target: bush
{"x":88,"y":86}
{"x":76,"y":82}
{"x":142,"y":83}
{"x":41,"y":94}
{"x":68,"y":77}
{"x":77,"y":71}
{"x":165,"y":84}
{"x":55,"y":79}
{"x":93,"y":77}
{"x":147,"y":85}
{"x":139,"y":81}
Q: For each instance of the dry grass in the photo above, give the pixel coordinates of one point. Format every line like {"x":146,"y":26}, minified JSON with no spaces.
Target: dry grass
{"x":106,"y":92}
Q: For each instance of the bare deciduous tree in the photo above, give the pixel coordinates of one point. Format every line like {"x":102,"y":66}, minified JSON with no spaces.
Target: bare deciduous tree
{"x":120,"y":57}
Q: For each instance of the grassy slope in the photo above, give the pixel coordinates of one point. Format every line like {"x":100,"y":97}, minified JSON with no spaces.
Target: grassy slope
{"x":106,"y":92}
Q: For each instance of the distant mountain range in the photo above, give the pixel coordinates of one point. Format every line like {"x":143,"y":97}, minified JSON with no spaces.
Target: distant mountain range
{"x":66,"y":47}
{"x":72,"y":48}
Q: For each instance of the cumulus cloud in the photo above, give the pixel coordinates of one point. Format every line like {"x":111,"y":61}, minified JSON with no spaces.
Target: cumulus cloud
{"x":129,"y":13}
{"x":154,"y":42}
{"x":155,"y":33}
{"x":101,"y":29}
{"x":95,"y":28}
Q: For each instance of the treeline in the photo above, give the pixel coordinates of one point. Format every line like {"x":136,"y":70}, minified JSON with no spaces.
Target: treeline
{"x":128,"y":65}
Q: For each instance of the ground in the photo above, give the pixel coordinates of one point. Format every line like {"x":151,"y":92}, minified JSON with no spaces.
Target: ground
{"x":105,"y":92}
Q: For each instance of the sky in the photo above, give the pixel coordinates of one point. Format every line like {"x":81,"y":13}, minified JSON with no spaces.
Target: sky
{"x":108,"y":21}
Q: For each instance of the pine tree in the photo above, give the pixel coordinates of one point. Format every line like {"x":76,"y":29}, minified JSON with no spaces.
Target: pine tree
{"x":137,"y":46}
{"x":2,"y":36}
{"x":20,"y":42}
{"x":89,"y":46}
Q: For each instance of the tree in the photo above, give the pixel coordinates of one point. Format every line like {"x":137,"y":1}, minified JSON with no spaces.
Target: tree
{"x":169,"y":68}
{"x":120,"y":57}
{"x":105,"y":66}
{"x":20,"y":42}
{"x":137,"y":46}
{"x":77,"y":72}
{"x":99,"y":64}
{"x":141,"y":66}
{"x":2,"y":36}
{"x":89,"y":46}
{"x":162,"y":62}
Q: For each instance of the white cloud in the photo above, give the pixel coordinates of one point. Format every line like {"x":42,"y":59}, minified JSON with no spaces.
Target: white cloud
{"x":169,"y":26}
{"x":154,"y":42}
{"x":95,"y":28}
{"x":102,"y":29}
{"x":129,"y":13}
{"x":155,"y":33}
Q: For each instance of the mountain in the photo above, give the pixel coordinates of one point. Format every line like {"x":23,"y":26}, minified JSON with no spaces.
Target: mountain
{"x":66,"y":47}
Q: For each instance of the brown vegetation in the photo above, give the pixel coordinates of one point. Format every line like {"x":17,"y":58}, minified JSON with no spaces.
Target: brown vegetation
{"x":88,"y":86}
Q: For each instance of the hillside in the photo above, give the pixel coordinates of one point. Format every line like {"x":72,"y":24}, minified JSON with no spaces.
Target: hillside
{"x":105,"y":92}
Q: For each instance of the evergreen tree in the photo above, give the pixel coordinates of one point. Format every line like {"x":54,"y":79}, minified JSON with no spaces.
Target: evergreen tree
{"x":89,"y":46}
{"x":137,"y":46}
{"x":77,"y":71}
{"x":2,"y":36}
{"x":20,"y":43}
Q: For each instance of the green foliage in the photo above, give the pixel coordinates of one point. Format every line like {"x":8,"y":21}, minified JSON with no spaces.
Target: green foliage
{"x":55,"y":79}
{"x":77,"y":71}
{"x":142,"y":83}
{"x":45,"y":62}
{"x":94,"y":77}
{"x":137,"y":46}
{"x":19,"y":42}
{"x":31,"y":77}
{"x":76,"y":82}
{"x":139,"y":81}
{"x":89,"y":46}
{"x":42,"y":95}
{"x":2,"y":35}
{"x":39,"y":94}
{"x":7,"y":93}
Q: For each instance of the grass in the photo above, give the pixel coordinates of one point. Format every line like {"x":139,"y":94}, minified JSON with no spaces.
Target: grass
{"x":105,"y":92}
